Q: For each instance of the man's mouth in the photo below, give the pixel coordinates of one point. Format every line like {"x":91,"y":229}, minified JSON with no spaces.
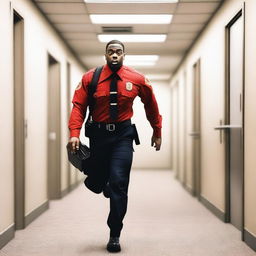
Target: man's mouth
{"x":114,"y":62}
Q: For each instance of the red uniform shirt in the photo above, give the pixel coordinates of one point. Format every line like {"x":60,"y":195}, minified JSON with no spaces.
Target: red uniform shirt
{"x":130,"y":85}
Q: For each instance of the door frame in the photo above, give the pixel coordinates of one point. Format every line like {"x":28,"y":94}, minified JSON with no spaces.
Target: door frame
{"x":175,"y":130}
{"x":185,"y":129}
{"x":196,"y":190}
{"x":51,"y":60}
{"x":20,"y":125}
{"x":178,"y":130}
{"x":172,"y":132}
{"x":239,"y":14}
{"x":68,"y":70}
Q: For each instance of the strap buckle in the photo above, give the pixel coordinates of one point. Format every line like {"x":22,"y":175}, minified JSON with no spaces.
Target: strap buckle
{"x":110,"y":127}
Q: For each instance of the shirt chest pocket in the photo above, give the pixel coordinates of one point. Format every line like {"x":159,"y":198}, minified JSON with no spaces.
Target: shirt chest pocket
{"x":101,"y":98}
{"x":99,"y":94}
{"x":128,"y":94}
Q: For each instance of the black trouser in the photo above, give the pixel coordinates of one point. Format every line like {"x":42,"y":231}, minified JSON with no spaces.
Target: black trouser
{"x":111,"y":155}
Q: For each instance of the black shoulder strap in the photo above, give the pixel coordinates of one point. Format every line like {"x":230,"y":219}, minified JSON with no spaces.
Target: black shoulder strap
{"x":92,"y":87}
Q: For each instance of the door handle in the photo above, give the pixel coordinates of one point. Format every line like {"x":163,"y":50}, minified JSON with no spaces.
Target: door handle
{"x":226,"y":127}
{"x":231,"y":126}
{"x":194,"y":134}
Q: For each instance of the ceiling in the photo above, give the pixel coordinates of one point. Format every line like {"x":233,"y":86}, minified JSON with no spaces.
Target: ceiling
{"x":71,"y":19}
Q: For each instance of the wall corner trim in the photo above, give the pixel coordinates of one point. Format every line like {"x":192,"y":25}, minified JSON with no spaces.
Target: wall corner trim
{"x":7,"y":235}
{"x":250,"y":239}
{"x":217,"y":212}
{"x":36,"y":213}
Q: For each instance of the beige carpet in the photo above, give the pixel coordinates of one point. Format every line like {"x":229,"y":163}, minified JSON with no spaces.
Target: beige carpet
{"x":162,"y":220}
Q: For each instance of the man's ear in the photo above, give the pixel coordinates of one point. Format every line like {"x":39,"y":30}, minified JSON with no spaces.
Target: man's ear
{"x":124,"y":56}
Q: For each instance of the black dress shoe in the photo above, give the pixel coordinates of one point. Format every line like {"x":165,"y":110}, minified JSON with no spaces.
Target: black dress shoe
{"x":113,"y":244}
{"x":106,"y":191}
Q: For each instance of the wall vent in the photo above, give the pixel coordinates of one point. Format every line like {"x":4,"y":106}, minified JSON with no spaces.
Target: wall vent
{"x":116,"y":29}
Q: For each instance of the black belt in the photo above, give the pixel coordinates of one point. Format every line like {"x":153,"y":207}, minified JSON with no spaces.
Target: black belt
{"x":111,"y":127}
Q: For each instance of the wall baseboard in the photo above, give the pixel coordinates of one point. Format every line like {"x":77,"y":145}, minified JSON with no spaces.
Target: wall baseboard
{"x":72,"y":186}
{"x":36,"y":213}
{"x":64,"y":192}
{"x":190,"y":191}
{"x":250,"y":239}
{"x":7,"y":235}
{"x":75,"y":185}
{"x":217,"y":212}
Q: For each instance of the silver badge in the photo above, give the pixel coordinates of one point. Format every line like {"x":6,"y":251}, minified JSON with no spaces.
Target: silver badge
{"x":128,"y":86}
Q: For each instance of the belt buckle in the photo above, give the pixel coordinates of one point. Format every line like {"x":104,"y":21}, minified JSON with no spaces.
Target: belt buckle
{"x":110,"y":127}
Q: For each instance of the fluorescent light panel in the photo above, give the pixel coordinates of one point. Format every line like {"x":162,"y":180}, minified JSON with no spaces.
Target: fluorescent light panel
{"x":131,"y":1}
{"x":133,"y":38}
{"x":131,"y":18}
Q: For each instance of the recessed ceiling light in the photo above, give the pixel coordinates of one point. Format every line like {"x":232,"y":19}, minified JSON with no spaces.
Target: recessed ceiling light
{"x":131,"y":18}
{"x":133,"y":38}
{"x":131,"y":1}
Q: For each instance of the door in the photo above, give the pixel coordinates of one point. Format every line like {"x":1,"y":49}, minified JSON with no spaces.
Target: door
{"x":175,"y":131}
{"x":185,"y":130}
{"x":182,"y":129}
{"x":235,"y":31}
{"x":54,"y":166}
{"x":196,"y":131}
{"x":20,"y":124}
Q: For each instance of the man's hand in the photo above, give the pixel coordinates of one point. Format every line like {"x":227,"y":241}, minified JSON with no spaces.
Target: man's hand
{"x":73,"y":144}
{"x":156,"y":142}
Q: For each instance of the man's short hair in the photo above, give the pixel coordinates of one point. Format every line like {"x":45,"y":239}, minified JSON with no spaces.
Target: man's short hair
{"x":114,"y":42}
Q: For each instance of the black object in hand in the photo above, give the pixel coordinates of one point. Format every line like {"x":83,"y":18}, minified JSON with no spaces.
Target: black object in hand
{"x":80,"y":158}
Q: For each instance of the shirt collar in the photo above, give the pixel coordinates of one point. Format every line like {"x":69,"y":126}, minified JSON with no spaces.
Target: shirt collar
{"x":107,"y":72}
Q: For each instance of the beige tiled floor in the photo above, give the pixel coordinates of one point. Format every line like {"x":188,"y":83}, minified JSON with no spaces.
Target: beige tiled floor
{"x":162,"y":220}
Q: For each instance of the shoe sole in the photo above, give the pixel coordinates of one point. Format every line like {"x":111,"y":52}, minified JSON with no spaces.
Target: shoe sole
{"x":110,"y":249}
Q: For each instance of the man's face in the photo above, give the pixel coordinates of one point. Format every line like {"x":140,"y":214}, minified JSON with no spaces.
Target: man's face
{"x":114,"y":56}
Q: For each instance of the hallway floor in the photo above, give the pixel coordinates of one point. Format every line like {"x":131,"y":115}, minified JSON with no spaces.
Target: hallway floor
{"x":162,"y":220}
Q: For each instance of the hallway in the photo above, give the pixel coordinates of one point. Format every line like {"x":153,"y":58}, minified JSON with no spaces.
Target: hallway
{"x":153,"y":227}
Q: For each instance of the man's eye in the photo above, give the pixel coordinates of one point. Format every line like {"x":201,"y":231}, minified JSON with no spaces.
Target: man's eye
{"x":110,"y":52}
{"x":120,"y":52}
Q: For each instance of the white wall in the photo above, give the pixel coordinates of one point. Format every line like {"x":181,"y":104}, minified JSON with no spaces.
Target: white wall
{"x":6,"y":119}
{"x":40,"y":39}
{"x":145,"y":156}
{"x":210,"y":50}
{"x":250,"y":117}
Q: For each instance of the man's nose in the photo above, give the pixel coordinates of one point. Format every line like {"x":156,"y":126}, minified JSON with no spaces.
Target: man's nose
{"x":114,"y":55}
